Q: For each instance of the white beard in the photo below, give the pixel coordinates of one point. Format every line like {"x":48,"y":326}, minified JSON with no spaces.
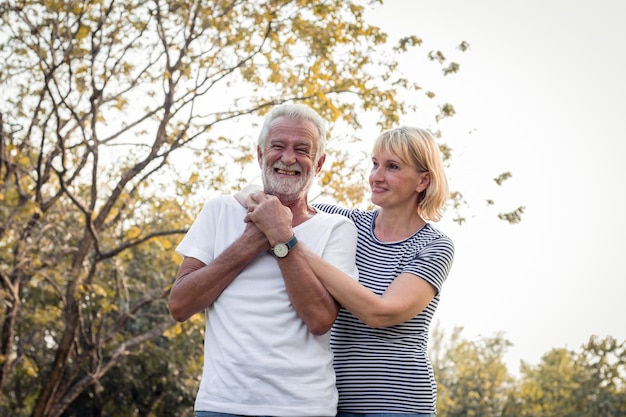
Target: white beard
{"x":287,"y":189}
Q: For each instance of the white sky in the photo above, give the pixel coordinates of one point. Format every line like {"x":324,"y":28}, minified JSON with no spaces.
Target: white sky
{"x":543,"y":92}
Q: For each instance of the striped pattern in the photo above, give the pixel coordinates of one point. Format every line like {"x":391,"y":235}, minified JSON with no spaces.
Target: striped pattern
{"x":387,"y":369}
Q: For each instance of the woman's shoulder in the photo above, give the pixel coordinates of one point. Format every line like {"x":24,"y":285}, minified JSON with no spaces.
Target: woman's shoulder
{"x":328,"y":218}
{"x":434,"y":236}
{"x":353,"y":213}
{"x":329,"y":208}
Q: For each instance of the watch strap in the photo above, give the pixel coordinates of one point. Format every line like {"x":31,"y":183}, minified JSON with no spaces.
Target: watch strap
{"x":282,"y":249}
{"x":291,"y":243}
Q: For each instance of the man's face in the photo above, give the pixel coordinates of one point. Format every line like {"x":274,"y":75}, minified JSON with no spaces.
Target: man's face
{"x":288,"y":161}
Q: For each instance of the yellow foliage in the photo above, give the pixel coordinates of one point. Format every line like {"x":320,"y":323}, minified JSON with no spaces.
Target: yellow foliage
{"x":23,"y":161}
{"x":109,"y":308}
{"x":197,"y":319}
{"x":29,"y":367}
{"x":172,"y":332}
{"x":120,"y":103}
{"x":326,"y":178}
{"x":133,"y":232}
{"x":175,"y":257}
{"x":98,"y":290}
{"x":83,"y":32}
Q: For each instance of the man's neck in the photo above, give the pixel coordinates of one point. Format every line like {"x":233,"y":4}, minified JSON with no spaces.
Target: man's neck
{"x":301,"y":211}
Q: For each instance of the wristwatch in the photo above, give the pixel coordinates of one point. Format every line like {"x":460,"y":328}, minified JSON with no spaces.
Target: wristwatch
{"x":280,"y":250}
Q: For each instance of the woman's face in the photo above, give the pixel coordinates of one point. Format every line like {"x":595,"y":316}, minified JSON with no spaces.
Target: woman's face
{"x":393,"y":182}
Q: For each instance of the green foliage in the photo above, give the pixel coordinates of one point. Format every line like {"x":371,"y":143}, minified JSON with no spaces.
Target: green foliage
{"x":548,"y":388}
{"x":574,"y":384}
{"x":472,"y":378}
{"x":473,"y":381}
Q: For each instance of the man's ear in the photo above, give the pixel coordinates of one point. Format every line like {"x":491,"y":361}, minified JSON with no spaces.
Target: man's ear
{"x":259,"y":155}
{"x":320,"y":163}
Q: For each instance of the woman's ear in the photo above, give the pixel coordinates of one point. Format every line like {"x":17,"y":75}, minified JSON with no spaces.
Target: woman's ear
{"x":424,"y":181}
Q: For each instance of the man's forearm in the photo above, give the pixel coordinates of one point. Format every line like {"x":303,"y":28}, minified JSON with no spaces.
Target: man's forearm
{"x":198,"y":285}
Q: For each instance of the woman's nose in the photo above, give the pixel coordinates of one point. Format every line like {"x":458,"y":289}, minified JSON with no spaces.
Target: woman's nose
{"x":375,"y":174}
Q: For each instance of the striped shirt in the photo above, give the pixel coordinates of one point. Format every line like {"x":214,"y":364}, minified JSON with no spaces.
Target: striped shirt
{"x":388,"y":369}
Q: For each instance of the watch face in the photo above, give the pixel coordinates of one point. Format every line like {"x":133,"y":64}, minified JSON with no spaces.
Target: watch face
{"x":280,"y":250}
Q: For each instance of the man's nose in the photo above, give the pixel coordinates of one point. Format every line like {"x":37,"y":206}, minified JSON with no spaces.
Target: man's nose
{"x":288,"y":156}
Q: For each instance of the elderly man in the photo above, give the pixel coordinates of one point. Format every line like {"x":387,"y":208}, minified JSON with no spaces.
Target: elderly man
{"x":266,"y":349}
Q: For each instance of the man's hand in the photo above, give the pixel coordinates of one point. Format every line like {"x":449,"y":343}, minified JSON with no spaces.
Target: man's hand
{"x":255,"y":237}
{"x":270,"y":216}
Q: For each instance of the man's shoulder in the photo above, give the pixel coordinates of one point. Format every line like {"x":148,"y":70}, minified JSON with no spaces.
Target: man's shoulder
{"x":222,"y":200}
{"x":221,"y":206}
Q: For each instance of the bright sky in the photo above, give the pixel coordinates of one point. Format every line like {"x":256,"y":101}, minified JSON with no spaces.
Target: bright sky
{"x":543,"y":92}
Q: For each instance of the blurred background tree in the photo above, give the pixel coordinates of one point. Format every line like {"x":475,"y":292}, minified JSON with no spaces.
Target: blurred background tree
{"x":473,"y":381}
{"x":568,"y":383}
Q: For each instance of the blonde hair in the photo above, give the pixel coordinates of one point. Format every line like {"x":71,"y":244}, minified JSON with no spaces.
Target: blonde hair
{"x":417,"y":147}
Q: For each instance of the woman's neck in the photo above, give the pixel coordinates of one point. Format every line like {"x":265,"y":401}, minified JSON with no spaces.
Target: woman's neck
{"x":393,"y":226}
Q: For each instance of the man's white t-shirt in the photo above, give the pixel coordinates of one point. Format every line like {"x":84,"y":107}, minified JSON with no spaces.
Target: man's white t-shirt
{"x":259,"y":357}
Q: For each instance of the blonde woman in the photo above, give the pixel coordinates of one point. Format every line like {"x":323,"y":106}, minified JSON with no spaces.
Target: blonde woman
{"x":380,"y":337}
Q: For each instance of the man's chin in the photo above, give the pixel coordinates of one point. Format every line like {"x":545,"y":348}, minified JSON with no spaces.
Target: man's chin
{"x":284,"y":187}
{"x":287,"y":195}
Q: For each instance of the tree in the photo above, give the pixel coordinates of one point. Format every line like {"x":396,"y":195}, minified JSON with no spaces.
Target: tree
{"x":472,"y":379}
{"x":603,"y":384}
{"x":574,"y":384}
{"x":547,"y":389}
{"x":118,"y":117}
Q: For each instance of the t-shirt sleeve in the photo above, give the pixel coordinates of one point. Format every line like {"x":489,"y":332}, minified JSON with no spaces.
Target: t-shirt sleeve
{"x":340,"y":249}
{"x":332,"y":209}
{"x":433,"y":262}
{"x":199,"y":242}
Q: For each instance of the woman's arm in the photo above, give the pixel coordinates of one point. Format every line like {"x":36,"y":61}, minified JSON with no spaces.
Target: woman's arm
{"x":406,"y":297}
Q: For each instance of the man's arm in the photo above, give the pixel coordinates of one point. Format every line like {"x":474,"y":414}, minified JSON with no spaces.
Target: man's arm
{"x":198,"y":285}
